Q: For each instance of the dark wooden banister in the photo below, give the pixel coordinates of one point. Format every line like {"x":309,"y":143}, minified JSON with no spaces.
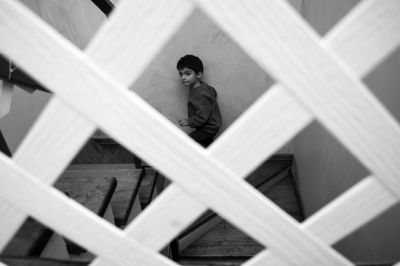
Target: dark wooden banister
{"x":106,"y":6}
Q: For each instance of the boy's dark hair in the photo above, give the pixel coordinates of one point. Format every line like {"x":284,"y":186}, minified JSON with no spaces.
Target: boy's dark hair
{"x":190,"y":61}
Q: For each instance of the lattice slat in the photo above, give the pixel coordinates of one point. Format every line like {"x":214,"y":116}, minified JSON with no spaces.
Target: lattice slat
{"x":62,"y":147}
{"x":342,"y":216}
{"x":338,"y":40}
{"x":213,"y":177}
{"x":335,"y":39}
{"x":286,"y":47}
{"x":66,"y":216}
{"x":44,"y":154}
{"x":206,"y":173}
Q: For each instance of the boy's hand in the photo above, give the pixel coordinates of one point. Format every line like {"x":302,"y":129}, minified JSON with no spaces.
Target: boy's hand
{"x":183,"y":122}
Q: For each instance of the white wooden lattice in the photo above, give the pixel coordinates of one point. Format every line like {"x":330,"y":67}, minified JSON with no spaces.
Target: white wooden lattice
{"x":318,"y":79}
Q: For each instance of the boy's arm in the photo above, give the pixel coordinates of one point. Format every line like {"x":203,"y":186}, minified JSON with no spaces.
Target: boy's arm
{"x":203,"y":109}
{"x":183,"y":122}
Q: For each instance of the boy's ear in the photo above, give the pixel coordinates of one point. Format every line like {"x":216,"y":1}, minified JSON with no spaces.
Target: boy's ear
{"x":199,"y":75}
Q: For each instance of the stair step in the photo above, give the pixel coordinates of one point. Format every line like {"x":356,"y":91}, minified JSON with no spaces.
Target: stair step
{"x":93,"y":153}
{"x":93,"y":193}
{"x":34,"y":261}
{"x":128,"y":179}
{"x":225,"y":240}
{"x":221,"y":240}
{"x":151,"y":186}
{"x":118,"y":151}
{"x":30,"y":239}
{"x":269,"y":169}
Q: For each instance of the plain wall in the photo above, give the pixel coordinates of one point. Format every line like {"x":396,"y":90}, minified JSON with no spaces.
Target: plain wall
{"x":238,"y":80}
{"x":326,"y":169}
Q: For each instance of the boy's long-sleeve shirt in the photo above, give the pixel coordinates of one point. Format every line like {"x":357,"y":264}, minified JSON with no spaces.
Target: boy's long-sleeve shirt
{"x":203,"y":109}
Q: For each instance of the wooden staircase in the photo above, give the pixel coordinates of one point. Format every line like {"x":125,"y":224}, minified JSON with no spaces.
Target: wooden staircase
{"x":103,"y":177}
{"x":116,"y":185}
{"x":213,"y":241}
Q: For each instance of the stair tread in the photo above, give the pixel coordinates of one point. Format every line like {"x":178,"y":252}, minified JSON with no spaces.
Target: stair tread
{"x":29,"y":240}
{"x":264,"y":172}
{"x":267,"y":170}
{"x":93,"y":153}
{"x":127,"y":176}
{"x":221,"y":241}
{"x":34,"y":261}
{"x":224,"y":240}
{"x":93,"y":193}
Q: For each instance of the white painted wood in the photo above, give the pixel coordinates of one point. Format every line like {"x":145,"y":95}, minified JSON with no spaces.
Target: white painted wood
{"x":67,"y":215}
{"x":288,"y":49}
{"x":351,"y":210}
{"x":175,"y":209}
{"x":127,"y":33}
{"x":371,"y":27}
{"x":201,"y":176}
{"x":214,"y":184}
{"x":360,"y":204}
{"x":47,"y":149}
{"x":336,"y":40}
{"x":52,"y":143}
{"x":6,"y":91}
{"x":54,"y":140}
{"x":265,"y":257}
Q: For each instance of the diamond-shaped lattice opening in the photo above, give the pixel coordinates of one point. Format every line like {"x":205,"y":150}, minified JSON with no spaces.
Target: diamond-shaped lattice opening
{"x":376,"y":241}
{"x":112,"y":171}
{"x":34,"y":240}
{"x":238,"y":80}
{"x":274,"y":179}
{"x":324,"y":168}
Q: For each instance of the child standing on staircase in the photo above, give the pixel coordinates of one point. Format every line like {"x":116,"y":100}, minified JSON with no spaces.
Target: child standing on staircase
{"x":203,"y":110}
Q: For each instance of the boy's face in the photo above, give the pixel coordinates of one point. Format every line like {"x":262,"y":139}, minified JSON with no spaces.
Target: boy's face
{"x":189,"y":78}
